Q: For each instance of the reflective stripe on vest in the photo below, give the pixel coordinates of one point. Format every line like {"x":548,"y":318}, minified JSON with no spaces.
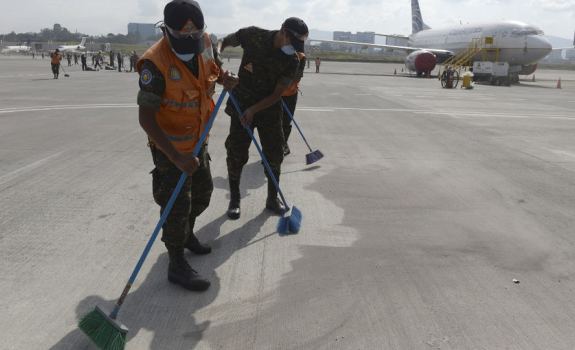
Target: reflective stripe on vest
{"x":172,"y":103}
{"x":180,"y":138}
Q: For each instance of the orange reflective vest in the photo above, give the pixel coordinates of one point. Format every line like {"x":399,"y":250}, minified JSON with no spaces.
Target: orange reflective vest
{"x":56,"y":58}
{"x":294,"y":86}
{"x":187,"y":101}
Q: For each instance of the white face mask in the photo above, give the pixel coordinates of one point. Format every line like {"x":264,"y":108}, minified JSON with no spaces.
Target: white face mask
{"x":288,"y":50}
{"x":184,"y":57}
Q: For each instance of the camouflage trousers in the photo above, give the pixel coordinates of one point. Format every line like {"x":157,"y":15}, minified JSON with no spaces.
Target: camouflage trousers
{"x":192,"y":200}
{"x":269,"y":125}
{"x":290,"y":102}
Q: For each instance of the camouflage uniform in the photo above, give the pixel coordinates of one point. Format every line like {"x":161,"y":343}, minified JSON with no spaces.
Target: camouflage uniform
{"x":261,"y":69}
{"x":291,"y":102}
{"x":195,"y":195}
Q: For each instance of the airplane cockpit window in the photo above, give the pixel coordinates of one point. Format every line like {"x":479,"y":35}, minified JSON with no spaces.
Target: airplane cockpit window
{"x":527,"y":31}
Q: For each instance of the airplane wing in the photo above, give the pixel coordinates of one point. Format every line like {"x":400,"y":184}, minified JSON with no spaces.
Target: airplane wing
{"x":408,"y":49}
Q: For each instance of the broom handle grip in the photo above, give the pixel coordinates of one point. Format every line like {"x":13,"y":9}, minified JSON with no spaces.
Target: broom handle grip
{"x":294,"y":122}
{"x":167,"y":210}
{"x":264,"y":159}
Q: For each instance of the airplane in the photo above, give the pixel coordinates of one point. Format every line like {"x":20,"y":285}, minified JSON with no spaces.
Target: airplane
{"x":517,"y":43}
{"x":16,"y":49}
{"x":74,"y":48}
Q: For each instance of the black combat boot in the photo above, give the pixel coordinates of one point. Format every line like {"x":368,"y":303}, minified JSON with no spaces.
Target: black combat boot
{"x":272,"y":202}
{"x":286,"y":149}
{"x":180,"y":272}
{"x":192,"y":242}
{"x":234,"y":207}
{"x":196,"y":247}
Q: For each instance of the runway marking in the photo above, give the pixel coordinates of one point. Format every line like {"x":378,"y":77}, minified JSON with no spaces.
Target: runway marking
{"x":14,"y":174}
{"x":454,"y":114}
{"x":65,"y":107}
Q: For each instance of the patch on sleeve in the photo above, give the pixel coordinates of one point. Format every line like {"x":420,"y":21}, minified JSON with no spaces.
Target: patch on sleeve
{"x":146,"y":77}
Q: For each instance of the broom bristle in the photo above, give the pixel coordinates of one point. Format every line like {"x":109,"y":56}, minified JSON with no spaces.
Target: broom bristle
{"x":106,"y":333}
{"x":283,"y":225}
{"x":295,"y":220}
{"x":313,"y":157}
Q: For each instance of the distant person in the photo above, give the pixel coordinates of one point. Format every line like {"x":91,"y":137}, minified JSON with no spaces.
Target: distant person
{"x":56,"y":58}
{"x":32,"y":55}
{"x":75,"y":59}
{"x":120,"y":59}
{"x":83,"y":59}
{"x":69,"y":59}
{"x":290,"y":98}
{"x":133,"y":60}
{"x":98,"y":59}
{"x":42,"y":55}
{"x":112,"y":58}
{"x":317,"y":64}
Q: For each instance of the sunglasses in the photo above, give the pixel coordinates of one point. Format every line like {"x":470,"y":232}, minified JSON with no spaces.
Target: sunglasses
{"x":299,"y":37}
{"x":184,"y":34}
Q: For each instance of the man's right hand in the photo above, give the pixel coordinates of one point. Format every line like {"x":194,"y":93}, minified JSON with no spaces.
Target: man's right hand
{"x":187,"y":163}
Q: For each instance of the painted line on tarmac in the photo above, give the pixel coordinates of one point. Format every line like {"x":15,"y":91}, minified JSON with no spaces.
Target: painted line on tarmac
{"x":64,"y":107}
{"x":454,"y":114}
{"x":14,"y":174}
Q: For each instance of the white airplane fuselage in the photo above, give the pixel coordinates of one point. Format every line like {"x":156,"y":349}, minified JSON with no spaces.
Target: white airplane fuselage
{"x":517,"y":43}
{"x":9,"y":49}
{"x":74,"y":48}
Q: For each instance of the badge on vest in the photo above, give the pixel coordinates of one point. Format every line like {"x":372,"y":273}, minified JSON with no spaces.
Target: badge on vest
{"x":175,"y":73}
{"x":146,"y":77}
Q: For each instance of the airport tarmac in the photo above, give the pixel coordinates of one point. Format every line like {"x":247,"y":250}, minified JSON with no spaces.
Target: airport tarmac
{"x":438,"y":219}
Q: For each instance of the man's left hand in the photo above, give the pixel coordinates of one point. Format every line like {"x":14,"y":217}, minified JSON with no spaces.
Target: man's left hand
{"x":248,"y":118}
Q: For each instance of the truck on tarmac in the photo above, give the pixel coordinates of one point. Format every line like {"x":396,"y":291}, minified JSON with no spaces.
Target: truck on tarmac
{"x":495,"y":73}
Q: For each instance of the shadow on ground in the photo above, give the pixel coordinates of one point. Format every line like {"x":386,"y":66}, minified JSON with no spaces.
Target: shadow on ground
{"x":163,"y":311}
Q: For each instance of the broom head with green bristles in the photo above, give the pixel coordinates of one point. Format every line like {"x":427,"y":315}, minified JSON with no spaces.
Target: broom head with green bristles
{"x":104,"y":331}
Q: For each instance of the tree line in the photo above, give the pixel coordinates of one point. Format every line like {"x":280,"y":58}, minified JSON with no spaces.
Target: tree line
{"x":58,"y":33}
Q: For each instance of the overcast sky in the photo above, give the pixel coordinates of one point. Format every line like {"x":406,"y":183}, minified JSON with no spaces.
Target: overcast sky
{"x":555,"y":17}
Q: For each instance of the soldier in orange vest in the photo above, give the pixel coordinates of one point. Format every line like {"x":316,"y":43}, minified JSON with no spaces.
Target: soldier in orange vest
{"x":290,"y":98}
{"x":177,"y":80}
{"x":56,"y":58}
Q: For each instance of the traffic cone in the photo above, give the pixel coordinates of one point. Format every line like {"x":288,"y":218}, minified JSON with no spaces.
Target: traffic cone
{"x":559,"y":83}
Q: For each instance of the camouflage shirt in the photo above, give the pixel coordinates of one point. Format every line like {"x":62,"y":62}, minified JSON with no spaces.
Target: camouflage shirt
{"x":262,"y":66}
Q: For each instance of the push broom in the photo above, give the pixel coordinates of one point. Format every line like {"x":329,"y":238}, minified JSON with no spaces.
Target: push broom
{"x":313,"y":156}
{"x":103,"y":328}
{"x":289,"y":223}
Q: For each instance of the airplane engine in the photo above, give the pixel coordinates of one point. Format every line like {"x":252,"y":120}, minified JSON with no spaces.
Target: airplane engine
{"x":528,"y":69}
{"x":422,"y":62}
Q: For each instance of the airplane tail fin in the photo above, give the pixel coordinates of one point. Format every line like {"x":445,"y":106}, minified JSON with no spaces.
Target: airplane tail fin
{"x":417,"y":24}
{"x":83,"y":42}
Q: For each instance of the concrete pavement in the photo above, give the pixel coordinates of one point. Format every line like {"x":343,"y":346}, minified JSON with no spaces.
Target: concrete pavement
{"x":428,"y":204}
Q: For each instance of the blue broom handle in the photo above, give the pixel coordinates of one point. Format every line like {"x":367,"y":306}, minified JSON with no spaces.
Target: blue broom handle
{"x":294,"y":122}
{"x":264,"y":159}
{"x":168,"y":208}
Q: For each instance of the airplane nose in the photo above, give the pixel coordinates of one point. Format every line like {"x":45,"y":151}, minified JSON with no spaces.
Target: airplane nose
{"x":542,"y":43}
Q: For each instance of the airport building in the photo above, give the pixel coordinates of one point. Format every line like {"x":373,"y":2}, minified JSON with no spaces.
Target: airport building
{"x":143,"y":30}
{"x":359,"y":37}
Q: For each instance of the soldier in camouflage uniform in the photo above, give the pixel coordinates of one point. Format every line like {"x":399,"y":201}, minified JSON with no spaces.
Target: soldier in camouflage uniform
{"x":269,"y":65}
{"x":177,"y":78}
{"x":290,"y":98}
